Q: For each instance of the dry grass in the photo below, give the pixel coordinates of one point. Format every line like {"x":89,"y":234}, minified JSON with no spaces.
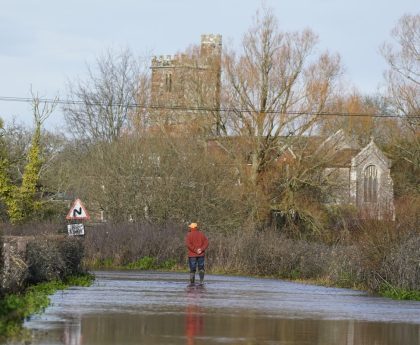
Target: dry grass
{"x":125,"y":243}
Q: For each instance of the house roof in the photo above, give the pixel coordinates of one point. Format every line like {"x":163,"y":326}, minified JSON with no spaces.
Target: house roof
{"x":342,"y":158}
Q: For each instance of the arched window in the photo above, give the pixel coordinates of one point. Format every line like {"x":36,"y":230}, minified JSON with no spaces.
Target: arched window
{"x":371,"y":184}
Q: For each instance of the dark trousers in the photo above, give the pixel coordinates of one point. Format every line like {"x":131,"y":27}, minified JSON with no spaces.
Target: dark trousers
{"x":193,"y":262}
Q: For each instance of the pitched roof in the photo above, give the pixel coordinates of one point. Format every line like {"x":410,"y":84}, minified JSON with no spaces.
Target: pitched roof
{"x":342,"y":158}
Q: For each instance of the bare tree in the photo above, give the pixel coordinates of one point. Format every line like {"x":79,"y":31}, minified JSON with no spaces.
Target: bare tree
{"x":275,"y":88}
{"x":403,"y":86}
{"x":103,"y":104}
{"x":403,"y":75}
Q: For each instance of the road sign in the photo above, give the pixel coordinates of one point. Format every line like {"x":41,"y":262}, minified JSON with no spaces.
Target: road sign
{"x":78,"y":211}
{"x":76,"y":229}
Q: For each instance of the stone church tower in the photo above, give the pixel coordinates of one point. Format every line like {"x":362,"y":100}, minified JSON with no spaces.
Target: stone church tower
{"x":186,"y":87}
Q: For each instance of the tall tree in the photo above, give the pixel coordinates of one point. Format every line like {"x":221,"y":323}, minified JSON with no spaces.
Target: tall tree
{"x":21,"y":201}
{"x":102,"y":104}
{"x":5,"y":183}
{"x":357,"y":127}
{"x":403,"y":75}
{"x":276,"y":87}
{"x":403,"y":86}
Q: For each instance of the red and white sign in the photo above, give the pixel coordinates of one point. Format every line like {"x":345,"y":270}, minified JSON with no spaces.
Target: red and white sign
{"x":78,"y":211}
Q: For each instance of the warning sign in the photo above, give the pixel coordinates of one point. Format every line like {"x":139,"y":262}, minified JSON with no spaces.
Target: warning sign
{"x":78,"y":211}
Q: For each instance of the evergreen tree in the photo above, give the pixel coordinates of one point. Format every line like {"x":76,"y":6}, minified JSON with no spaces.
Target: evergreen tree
{"x":21,"y":201}
{"x":5,"y":185}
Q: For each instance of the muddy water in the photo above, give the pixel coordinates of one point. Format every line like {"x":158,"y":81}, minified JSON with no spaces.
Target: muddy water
{"x":158,"y":308}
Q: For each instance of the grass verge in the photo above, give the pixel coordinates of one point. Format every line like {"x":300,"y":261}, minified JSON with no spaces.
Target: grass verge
{"x":399,"y":294}
{"x":145,"y":263}
{"x":15,"y":308}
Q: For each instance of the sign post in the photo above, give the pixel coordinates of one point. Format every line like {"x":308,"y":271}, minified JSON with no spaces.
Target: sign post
{"x":77,"y":212}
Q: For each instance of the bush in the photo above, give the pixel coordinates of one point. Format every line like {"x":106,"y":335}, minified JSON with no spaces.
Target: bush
{"x":33,"y":229}
{"x":401,"y":267}
{"x":146,"y":263}
{"x":345,"y":267}
{"x":72,"y":253}
{"x":1,"y":264}
{"x":268,"y":253}
{"x":114,"y":245}
{"x":44,"y":261}
{"x":53,"y":259}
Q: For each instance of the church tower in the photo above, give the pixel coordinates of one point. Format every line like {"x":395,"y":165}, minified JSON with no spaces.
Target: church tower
{"x":185,"y":88}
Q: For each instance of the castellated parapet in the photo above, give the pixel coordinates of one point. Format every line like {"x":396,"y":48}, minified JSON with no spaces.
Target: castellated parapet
{"x":163,"y":60}
{"x":211,"y":39}
{"x":211,"y":45}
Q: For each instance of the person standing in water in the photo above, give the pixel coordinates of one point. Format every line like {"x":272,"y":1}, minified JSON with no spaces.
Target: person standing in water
{"x":197,"y":244}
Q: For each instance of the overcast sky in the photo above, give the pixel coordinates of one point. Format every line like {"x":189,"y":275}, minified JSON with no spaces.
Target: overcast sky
{"x":45,"y":43}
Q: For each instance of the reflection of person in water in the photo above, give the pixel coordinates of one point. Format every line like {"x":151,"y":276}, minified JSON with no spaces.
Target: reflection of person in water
{"x":193,"y":323}
{"x":72,"y":334}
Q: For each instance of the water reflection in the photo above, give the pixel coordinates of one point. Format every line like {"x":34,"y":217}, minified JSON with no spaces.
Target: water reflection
{"x":149,"y":308}
{"x":198,"y":327}
{"x":72,"y":332}
{"x":194,"y":320}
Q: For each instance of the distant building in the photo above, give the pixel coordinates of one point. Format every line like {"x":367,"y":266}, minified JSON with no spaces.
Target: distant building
{"x":186,"y":87}
{"x":362,"y":176}
{"x":359,"y":177}
{"x":185,"y":91}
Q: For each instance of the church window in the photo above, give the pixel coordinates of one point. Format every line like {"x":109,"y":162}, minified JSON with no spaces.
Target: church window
{"x":371,"y":184}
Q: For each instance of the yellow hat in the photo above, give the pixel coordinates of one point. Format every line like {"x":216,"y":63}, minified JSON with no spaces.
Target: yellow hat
{"x":192,"y":225}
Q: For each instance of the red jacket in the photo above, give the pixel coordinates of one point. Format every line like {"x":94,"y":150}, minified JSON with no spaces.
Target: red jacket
{"x":196,"y":240}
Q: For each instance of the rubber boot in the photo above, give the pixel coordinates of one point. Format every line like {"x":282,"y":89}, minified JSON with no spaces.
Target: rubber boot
{"x":201,"y":273}
{"x":192,"y":277}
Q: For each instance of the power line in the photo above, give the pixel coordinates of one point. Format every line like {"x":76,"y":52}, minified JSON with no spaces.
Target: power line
{"x":199,"y":109}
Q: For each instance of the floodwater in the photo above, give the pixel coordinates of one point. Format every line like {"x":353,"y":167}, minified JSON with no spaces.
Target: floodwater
{"x":131,"y":307}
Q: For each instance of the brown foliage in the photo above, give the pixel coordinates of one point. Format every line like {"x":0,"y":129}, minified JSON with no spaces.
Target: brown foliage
{"x":54,"y":258}
{"x":389,"y":252}
{"x":120,"y":244}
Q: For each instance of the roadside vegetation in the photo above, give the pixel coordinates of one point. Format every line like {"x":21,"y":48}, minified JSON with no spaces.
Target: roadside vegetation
{"x":15,"y":308}
{"x":48,"y":264}
{"x":376,"y":256}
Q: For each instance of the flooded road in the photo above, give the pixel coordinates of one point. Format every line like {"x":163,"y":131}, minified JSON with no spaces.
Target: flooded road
{"x":128,"y":307}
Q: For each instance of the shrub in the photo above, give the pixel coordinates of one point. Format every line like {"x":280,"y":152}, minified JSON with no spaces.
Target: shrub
{"x":123,"y":244}
{"x":345,"y":267}
{"x":44,"y":259}
{"x":268,"y":253}
{"x":53,"y":258}
{"x":145,"y":263}
{"x":33,"y":229}
{"x":401,"y":267}
{"x":72,"y":253}
{"x":1,"y":264}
